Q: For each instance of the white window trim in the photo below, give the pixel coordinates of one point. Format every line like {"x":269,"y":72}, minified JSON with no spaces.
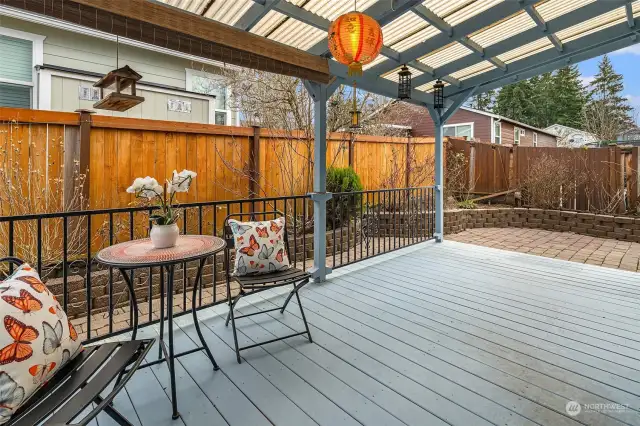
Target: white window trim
{"x":516,"y":132}
{"x":535,"y":139}
{"x":189,"y":72}
{"x":493,"y":131}
{"x":462,"y":124}
{"x":523,"y":132}
{"x":37,"y":59}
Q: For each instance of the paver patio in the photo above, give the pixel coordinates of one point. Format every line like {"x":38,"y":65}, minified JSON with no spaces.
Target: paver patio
{"x":560,"y":245}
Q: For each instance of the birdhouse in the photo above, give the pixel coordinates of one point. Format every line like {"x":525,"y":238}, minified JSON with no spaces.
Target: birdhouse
{"x":122,"y":86}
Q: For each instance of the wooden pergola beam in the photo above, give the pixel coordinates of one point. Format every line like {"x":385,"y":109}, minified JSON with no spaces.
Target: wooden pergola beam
{"x":176,"y":29}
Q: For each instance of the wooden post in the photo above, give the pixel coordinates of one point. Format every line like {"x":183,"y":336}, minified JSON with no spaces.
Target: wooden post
{"x":77,"y":158}
{"x":254,"y":162}
{"x":407,"y":172}
{"x":472,"y":166}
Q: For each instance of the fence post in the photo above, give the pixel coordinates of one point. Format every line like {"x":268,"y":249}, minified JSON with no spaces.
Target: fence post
{"x":472,"y":166}
{"x":77,"y":158}
{"x":254,"y":162}
{"x":407,"y":173}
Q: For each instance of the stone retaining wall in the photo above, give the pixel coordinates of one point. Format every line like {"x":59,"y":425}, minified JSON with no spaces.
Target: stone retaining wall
{"x":623,"y":228}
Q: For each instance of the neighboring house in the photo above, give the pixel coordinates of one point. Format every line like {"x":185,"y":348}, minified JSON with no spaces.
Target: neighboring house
{"x":52,"y":65}
{"x":570,"y":137}
{"x":474,"y":125}
{"x":631,"y":135}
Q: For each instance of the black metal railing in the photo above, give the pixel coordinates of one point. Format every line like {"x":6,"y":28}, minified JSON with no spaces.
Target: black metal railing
{"x":62,"y":247}
{"x":369,"y":223}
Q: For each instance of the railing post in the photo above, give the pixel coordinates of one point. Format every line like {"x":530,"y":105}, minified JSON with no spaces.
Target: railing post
{"x":319,"y":93}
{"x":254,"y":162}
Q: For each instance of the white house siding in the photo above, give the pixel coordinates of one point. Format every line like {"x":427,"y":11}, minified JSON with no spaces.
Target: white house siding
{"x":85,"y":53}
{"x":64,"y":97}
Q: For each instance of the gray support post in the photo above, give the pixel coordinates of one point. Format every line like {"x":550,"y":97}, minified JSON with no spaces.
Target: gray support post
{"x":439,"y":178}
{"x":319,"y":196}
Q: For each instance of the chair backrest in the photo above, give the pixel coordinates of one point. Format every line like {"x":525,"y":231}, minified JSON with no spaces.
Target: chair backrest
{"x":228,"y":233}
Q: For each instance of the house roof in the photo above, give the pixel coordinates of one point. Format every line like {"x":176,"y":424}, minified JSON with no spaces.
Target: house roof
{"x":551,"y":128}
{"x":510,"y":120}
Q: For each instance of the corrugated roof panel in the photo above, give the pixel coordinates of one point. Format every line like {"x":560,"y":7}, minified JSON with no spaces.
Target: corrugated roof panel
{"x":526,"y":50}
{"x":473,"y":70}
{"x":415,"y":39}
{"x":228,"y":11}
{"x":501,"y":31}
{"x":393,"y":75}
{"x":469,"y":11}
{"x":332,"y":9}
{"x":269,"y":23}
{"x":428,"y":87}
{"x":552,"y":9}
{"x":593,"y":25}
{"x":378,"y":60}
{"x":404,"y":26}
{"x":298,"y":34}
{"x":193,"y":6}
{"x":446,"y":8}
{"x":445,"y":55}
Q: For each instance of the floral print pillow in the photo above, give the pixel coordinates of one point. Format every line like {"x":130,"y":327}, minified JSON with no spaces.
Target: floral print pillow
{"x":260,"y":247}
{"x":36,"y":338}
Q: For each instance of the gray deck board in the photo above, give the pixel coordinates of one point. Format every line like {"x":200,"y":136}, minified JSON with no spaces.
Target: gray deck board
{"x":433,"y":334}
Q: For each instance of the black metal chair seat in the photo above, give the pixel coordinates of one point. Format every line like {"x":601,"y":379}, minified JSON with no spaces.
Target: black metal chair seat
{"x":274,"y":279}
{"x":80,"y":382}
{"x":250,"y":284}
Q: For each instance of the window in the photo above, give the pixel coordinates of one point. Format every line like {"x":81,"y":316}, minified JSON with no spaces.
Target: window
{"x":497,"y":132}
{"x":463,"y":130}
{"x":516,"y":136}
{"x":221,"y":118}
{"x":208,"y":84}
{"x":535,"y":139}
{"x":16,"y":72}
{"x":523,"y":133}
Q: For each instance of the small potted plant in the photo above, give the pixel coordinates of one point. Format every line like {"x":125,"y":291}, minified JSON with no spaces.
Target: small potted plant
{"x":164,"y":232}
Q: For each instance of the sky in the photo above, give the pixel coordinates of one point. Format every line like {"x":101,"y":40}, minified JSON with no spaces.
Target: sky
{"x":625,"y":62}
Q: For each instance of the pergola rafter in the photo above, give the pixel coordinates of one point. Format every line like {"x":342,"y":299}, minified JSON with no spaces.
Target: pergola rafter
{"x":568,"y":20}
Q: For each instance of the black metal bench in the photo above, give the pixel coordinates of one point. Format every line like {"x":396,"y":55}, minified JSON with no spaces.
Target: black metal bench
{"x":79,"y":383}
{"x":250,"y":284}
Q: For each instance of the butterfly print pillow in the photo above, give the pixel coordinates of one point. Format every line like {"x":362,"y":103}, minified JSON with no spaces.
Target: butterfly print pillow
{"x":260,"y":247}
{"x":36,"y":338}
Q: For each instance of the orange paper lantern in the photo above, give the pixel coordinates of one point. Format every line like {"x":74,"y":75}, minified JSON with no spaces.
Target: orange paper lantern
{"x":355,"y":39}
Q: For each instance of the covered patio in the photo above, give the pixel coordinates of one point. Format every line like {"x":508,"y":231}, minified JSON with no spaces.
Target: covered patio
{"x":425,"y":332}
{"x":412,"y":338}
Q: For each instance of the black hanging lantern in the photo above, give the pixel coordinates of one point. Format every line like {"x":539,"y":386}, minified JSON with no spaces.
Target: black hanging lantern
{"x":404,"y":83}
{"x":438,"y":95}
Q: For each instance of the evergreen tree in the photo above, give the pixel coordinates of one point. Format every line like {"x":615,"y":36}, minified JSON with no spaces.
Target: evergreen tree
{"x":483,"y":101}
{"x":515,"y":101}
{"x":569,"y":98}
{"x":607,"y":113}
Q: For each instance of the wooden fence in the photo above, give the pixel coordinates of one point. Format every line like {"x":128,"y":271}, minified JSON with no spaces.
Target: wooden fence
{"x":608,"y":176}
{"x":231,"y":162}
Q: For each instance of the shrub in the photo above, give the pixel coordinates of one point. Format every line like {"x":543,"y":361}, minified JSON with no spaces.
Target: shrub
{"x":342,"y":208}
{"x":343,"y":179}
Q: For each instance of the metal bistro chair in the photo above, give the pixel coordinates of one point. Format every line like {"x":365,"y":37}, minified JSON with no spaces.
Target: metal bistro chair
{"x":250,"y":284}
{"x":80,"y":382}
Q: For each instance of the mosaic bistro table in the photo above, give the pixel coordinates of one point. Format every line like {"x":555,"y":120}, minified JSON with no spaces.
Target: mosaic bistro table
{"x":136,"y":254}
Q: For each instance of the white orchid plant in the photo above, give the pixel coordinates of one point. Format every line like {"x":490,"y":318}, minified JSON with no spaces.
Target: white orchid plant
{"x":149,"y":189}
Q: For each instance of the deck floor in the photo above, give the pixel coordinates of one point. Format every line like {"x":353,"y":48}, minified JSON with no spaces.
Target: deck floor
{"x":434,"y":334}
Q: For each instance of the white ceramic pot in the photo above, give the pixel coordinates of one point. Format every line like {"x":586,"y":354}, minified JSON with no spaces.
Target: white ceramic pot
{"x":164,"y":236}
